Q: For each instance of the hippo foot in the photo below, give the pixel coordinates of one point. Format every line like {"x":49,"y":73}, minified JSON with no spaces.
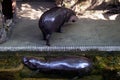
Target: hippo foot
{"x":44,"y":39}
{"x":48,"y":44}
{"x":59,"y":31}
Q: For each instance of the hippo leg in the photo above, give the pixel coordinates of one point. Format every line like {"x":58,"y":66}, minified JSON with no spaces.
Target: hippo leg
{"x":48,"y":39}
{"x":44,"y":35}
{"x":59,"y":28}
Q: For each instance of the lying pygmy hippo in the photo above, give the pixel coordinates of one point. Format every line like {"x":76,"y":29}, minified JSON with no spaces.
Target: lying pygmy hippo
{"x":75,"y":66}
{"x":53,"y":19}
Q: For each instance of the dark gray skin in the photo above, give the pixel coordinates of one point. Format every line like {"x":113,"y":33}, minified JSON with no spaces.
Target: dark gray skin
{"x":53,"y":19}
{"x":64,"y":65}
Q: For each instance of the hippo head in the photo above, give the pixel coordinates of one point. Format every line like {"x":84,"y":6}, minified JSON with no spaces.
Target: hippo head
{"x":28,"y":63}
{"x":71,"y":16}
{"x":33,"y":63}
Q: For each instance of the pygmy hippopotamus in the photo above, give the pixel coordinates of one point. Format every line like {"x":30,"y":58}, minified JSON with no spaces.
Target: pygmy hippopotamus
{"x":65,"y":65}
{"x":53,"y":19}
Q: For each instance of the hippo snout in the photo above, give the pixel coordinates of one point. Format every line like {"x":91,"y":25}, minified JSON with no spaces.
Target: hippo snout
{"x":73,"y":18}
{"x":25,"y":60}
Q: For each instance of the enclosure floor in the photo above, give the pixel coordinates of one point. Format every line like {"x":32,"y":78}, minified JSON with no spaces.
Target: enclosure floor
{"x":84,"y":34}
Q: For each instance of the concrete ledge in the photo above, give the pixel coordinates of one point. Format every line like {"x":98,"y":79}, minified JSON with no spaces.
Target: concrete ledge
{"x":81,"y":48}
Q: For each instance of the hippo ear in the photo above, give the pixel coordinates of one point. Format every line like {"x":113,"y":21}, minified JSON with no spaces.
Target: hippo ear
{"x":67,"y":17}
{"x":68,"y":14}
{"x":74,"y":13}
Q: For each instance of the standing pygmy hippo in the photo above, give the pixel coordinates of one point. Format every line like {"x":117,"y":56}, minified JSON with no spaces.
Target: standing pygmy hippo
{"x":53,"y":19}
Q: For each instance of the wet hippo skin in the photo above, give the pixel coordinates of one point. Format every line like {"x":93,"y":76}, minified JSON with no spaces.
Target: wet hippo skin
{"x":53,"y":19}
{"x":77,"y":66}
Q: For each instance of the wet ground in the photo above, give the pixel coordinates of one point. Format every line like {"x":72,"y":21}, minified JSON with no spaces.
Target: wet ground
{"x":93,"y":30}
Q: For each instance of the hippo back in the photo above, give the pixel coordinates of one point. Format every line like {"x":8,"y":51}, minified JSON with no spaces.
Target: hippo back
{"x":53,"y":18}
